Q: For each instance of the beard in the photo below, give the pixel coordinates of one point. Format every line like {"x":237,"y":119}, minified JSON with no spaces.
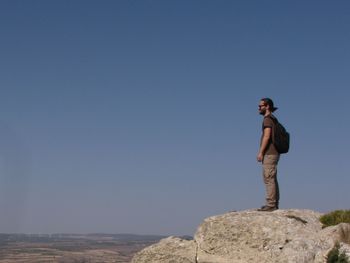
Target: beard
{"x":262,"y":112}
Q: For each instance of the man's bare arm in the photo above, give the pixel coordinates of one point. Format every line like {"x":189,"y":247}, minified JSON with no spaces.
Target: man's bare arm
{"x":264,"y":143}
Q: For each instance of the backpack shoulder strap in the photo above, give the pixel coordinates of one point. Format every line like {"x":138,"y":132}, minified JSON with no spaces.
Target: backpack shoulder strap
{"x":273,"y":118}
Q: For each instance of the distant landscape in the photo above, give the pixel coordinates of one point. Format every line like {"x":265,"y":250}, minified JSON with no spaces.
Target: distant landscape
{"x":72,"y":248}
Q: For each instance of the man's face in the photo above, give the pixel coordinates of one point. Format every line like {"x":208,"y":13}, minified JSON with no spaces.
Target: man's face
{"x":262,"y":108}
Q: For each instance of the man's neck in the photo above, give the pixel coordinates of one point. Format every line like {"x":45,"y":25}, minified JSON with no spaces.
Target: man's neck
{"x":268,"y":113}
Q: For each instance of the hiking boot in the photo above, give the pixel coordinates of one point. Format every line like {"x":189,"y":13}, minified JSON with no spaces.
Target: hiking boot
{"x":266,"y":208}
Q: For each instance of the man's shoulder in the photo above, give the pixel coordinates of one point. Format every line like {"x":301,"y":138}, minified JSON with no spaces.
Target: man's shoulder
{"x":268,"y":121}
{"x":270,"y":116}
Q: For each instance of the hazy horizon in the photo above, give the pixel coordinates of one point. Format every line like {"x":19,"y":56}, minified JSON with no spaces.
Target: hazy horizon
{"x":142,"y":116}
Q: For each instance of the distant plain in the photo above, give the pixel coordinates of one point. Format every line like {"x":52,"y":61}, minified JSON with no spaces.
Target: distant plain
{"x":69,"y":248}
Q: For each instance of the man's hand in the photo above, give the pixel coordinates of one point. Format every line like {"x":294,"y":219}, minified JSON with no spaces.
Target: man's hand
{"x":260,"y":157}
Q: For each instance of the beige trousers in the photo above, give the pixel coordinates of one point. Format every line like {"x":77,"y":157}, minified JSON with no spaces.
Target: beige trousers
{"x":270,"y":179}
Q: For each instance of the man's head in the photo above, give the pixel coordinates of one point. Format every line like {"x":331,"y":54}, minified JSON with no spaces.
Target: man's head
{"x":266,"y":105}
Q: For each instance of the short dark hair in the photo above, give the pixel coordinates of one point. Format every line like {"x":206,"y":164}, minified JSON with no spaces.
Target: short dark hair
{"x":268,"y":101}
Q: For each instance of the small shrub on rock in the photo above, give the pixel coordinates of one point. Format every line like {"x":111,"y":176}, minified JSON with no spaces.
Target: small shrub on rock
{"x":335,"y":218}
{"x":335,"y":256}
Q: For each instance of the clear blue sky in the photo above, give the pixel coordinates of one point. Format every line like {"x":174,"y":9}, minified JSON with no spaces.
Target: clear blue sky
{"x":141,"y":116}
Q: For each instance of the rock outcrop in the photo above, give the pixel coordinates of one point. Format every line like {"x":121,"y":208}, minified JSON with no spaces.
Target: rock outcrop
{"x":282,"y":236}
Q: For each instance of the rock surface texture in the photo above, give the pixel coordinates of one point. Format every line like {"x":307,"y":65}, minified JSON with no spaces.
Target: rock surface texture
{"x":282,"y":236}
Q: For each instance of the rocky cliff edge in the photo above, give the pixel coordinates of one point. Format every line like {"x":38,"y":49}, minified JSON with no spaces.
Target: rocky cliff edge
{"x":282,"y":236}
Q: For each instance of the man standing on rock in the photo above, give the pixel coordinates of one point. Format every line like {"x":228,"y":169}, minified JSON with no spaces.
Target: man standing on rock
{"x":269,"y":156}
